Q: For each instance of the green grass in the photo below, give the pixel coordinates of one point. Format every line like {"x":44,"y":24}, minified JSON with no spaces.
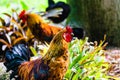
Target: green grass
{"x":87,"y":61}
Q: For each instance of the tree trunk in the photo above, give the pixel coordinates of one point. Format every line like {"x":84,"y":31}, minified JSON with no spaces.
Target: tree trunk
{"x":98,"y":17}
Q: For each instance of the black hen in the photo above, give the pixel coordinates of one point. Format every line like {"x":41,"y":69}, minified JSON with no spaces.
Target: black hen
{"x":61,"y":17}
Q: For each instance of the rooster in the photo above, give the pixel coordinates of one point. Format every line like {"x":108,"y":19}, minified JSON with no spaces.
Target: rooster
{"x":40,"y":29}
{"x":52,"y":66}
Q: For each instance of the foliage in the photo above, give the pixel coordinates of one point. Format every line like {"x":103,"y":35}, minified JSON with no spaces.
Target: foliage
{"x":87,"y":61}
{"x":3,"y":76}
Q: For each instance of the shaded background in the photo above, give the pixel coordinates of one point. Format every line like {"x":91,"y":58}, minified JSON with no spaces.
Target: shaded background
{"x":97,"y":17}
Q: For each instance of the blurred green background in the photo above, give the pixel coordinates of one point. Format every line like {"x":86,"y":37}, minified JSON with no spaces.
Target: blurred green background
{"x":39,"y":5}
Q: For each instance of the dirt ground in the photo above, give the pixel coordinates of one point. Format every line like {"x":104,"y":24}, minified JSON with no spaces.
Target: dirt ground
{"x":113,"y":57}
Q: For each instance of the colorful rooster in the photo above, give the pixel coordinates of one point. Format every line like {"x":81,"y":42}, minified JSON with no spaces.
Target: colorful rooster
{"x":41,"y":30}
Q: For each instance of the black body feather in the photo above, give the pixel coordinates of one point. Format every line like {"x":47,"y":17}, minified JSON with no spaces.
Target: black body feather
{"x":66,"y":10}
{"x":14,"y":57}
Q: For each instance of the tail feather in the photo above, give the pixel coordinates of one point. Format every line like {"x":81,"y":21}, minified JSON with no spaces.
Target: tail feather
{"x":15,"y":57}
{"x":66,"y":11}
{"x":51,"y":3}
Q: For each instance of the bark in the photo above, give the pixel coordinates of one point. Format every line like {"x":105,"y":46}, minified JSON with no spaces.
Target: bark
{"x":97,"y":17}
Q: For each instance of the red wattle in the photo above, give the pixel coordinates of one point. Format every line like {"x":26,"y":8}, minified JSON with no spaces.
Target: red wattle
{"x":67,"y":37}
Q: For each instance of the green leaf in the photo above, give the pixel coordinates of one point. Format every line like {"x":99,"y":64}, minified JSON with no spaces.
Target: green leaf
{"x":68,"y":73}
{"x":33,"y":51}
{"x":76,"y":60}
{"x":75,"y":77}
{"x":24,"y":5}
{"x":89,"y":58}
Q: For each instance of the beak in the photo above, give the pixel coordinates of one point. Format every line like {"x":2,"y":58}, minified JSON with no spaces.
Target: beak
{"x":72,"y":34}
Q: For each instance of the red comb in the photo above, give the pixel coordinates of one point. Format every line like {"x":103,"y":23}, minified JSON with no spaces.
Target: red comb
{"x":22,"y":13}
{"x":69,"y":29}
{"x":67,"y":35}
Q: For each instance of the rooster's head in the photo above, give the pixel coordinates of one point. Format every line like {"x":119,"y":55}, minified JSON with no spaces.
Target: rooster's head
{"x":68,"y":34}
{"x":23,"y":16}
